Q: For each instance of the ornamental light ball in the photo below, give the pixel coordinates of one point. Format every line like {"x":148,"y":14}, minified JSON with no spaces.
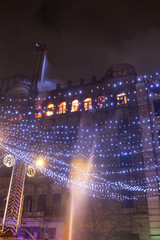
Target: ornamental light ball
{"x":30,"y":171}
{"x":8,"y":160}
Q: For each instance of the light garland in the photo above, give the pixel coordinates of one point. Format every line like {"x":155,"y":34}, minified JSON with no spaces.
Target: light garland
{"x":58,"y":175}
{"x":28,"y":138}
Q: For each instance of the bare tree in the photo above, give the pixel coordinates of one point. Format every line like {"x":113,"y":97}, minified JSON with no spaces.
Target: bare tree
{"x":105,"y":220}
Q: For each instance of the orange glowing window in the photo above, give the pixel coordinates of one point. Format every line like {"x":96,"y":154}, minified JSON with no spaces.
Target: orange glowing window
{"x":101,"y":101}
{"x":51,"y":106}
{"x":49,"y":113}
{"x":87,"y":104}
{"x":38,"y":115}
{"x":62,"y":107}
{"x":50,"y":110}
{"x":75,"y":106}
{"x":121,"y":99}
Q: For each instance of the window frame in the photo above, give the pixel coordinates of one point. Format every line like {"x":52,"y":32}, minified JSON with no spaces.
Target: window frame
{"x":100,"y":101}
{"x":121,"y":99}
{"x":72,"y":106}
{"x":88,"y":104}
{"x":63,"y":106}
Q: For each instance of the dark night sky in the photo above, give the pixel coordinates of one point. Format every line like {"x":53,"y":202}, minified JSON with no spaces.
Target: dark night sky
{"x":83,"y":37}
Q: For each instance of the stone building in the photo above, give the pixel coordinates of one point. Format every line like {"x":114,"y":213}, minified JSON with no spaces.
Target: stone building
{"x":110,"y":123}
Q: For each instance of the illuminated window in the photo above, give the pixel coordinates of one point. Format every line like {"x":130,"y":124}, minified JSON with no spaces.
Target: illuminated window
{"x":75,"y":106}
{"x":87,"y":104}
{"x":48,"y":113}
{"x":62,"y":107}
{"x":50,"y":110}
{"x":38,"y":115}
{"x":101,"y":101}
{"x":121,"y":99}
{"x":51,"y":106}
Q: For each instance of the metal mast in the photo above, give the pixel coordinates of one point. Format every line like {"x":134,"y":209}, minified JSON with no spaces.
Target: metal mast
{"x":14,"y":204}
{"x":13,"y":210}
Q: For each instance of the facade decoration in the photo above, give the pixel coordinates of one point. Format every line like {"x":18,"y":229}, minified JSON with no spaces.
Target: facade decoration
{"x":100,"y":139}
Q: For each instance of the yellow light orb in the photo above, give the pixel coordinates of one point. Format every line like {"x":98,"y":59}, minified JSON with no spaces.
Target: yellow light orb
{"x":39,"y":162}
{"x":30,"y":171}
{"x":8,"y":160}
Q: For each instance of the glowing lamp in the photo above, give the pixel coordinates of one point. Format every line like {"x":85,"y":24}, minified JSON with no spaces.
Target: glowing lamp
{"x":39,"y":162}
{"x":30,"y":171}
{"x":8,"y":160}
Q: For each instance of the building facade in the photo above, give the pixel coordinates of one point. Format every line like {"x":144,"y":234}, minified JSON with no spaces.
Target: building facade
{"x":107,"y":128}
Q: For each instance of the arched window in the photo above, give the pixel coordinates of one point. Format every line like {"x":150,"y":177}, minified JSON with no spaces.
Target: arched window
{"x":75,"y":106}
{"x":50,"y":110}
{"x":62,"y":107}
{"x":101,"y":101}
{"x":121,"y":99}
{"x":87,"y":104}
{"x":51,"y":106}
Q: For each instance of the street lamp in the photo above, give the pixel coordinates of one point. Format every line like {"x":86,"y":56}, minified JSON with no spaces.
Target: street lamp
{"x":39,"y":162}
